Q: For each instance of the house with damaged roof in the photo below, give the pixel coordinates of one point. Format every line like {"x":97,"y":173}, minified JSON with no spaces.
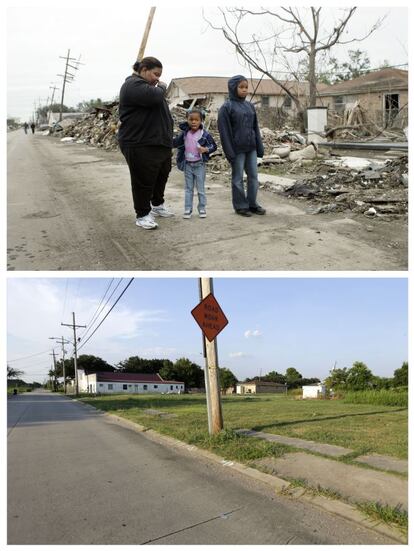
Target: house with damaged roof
{"x":382,"y":94}
{"x":211,"y":93}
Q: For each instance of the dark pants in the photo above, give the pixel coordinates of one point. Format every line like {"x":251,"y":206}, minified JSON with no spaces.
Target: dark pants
{"x":149,"y":167}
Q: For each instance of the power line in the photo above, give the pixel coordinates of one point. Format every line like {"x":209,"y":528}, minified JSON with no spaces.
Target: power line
{"x":95,"y":314}
{"x":31,"y":356}
{"x":102,"y":309}
{"x":113,"y":306}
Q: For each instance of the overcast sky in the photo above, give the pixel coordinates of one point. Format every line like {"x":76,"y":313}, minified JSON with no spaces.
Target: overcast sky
{"x":107,"y":37}
{"x":274,"y":323}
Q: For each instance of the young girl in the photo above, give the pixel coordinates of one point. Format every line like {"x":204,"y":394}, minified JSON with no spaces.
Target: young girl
{"x":194,"y":147}
{"x":242,"y":144}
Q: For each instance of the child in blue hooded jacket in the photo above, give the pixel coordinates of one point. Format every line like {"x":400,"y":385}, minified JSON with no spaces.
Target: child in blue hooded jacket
{"x":194,"y":147}
{"x":242,"y":144}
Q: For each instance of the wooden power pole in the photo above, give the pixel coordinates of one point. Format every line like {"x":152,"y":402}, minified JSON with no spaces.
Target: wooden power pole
{"x":146,"y":33}
{"x":75,"y":349}
{"x":212,"y":372}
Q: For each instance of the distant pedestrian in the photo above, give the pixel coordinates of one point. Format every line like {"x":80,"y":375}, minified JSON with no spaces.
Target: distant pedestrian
{"x":26,"y":127}
{"x":194,"y":147}
{"x":146,"y":138}
{"x":33,"y":126}
{"x":242,"y":144}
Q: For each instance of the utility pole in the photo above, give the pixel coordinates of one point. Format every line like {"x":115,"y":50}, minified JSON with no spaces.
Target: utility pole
{"x":206,"y":377}
{"x":54,"y":369}
{"x":146,"y":33}
{"x":75,"y":353}
{"x":54,"y":88}
{"x":62,"y":341}
{"x":212,"y":376}
{"x":67,"y":77}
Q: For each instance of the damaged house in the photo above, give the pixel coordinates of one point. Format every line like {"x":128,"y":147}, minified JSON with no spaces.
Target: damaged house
{"x":383,"y":95}
{"x":211,"y":92}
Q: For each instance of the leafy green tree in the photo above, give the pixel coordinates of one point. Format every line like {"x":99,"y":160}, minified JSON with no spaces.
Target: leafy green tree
{"x":69,"y":368}
{"x":184,"y":370}
{"x":135,"y":364}
{"x":92,"y":364}
{"x":359,"y":377}
{"x":293,"y":377}
{"x":226,"y":378}
{"x":274,"y":377}
{"x":401,"y":375}
{"x":337,"y":378}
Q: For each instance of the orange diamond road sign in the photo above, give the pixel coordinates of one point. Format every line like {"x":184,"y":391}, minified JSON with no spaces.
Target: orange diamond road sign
{"x":210,"y":317}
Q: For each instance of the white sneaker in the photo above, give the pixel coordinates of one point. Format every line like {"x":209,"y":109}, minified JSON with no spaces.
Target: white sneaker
{"x":147,"y":222}
{"x":162,"y":210}
{"x":187,"y":214}
{"x":202,"y":214}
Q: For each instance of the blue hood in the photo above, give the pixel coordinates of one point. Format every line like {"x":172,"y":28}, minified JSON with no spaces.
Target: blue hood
{"x":232,"y":86}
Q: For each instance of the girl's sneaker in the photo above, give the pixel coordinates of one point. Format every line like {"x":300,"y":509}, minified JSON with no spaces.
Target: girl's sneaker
{"x":202,"y":214}
{"x":187,"y":214}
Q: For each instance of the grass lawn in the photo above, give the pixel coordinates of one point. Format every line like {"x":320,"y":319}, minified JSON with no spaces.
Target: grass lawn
{"x":362,"y":427}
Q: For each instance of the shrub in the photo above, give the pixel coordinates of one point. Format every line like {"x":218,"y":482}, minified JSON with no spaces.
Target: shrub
{"x":377,"y":397}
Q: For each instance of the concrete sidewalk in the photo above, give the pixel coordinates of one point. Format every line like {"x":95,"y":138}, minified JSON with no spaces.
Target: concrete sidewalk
{"x":354,"y":483}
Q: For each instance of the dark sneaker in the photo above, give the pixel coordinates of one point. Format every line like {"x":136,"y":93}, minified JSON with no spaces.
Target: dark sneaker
{"x":257,"y":210}
{"x":243,"y":212}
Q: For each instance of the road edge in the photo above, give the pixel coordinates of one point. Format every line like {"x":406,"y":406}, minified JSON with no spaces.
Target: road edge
{"x":280,"y":486}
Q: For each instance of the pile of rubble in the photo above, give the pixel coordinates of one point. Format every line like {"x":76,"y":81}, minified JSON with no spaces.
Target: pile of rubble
{"x":377,"y":189}
{"x":97,"y":128}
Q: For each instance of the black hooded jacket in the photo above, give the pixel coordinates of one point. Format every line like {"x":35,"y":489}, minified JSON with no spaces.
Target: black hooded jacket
{"x":144,"y":114}
{"x":238,"y":125}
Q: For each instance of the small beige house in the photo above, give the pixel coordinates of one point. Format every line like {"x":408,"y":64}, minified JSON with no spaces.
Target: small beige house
{"x":260,"y":387}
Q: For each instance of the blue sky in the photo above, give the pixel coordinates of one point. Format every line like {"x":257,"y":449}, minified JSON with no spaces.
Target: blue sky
{"x":274,"y":323}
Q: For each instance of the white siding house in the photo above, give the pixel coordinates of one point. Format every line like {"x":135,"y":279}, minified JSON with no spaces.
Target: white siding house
{"x":131,"y":383}
{"x":314,"y":391}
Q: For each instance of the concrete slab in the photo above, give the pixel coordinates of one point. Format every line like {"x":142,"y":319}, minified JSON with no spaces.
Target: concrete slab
{"x":384,"y":462}
{"x":278,"y":183}
{"x":352,"y":482}
{"x":325,"y":449}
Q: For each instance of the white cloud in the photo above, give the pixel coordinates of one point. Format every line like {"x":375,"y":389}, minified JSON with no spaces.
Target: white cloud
{"x":237,"y":355}
{"x":252,"y":333}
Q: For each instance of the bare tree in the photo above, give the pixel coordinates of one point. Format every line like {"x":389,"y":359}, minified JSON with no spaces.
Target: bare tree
{"x":297,"y":37}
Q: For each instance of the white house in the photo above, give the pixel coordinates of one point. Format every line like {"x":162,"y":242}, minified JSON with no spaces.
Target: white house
{"x":103,"y":382}
{"x":314,"y":391}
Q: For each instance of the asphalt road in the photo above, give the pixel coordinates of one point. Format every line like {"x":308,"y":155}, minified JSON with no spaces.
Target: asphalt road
{"x":70,"y":208}
{"x":75,"y":478}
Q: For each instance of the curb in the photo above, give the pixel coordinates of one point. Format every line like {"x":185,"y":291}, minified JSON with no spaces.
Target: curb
{"x":280,"y":486}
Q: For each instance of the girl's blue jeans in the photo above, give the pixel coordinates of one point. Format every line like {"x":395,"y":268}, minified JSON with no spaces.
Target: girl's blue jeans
{"x":195,"y":175}
{"x":244,"y":162}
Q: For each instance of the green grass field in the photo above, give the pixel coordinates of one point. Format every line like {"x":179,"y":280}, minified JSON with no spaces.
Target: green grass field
{"x":364,"y":428}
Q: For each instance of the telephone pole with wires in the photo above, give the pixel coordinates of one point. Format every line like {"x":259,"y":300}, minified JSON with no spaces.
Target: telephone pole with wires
{"x":62,"y":341}
{"x":68,"y":77}
{"x":75,"y":352}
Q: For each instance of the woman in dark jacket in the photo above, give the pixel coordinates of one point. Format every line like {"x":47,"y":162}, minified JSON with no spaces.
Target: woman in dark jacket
{"x":145,"y":138}
{"x":242,"y":144}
